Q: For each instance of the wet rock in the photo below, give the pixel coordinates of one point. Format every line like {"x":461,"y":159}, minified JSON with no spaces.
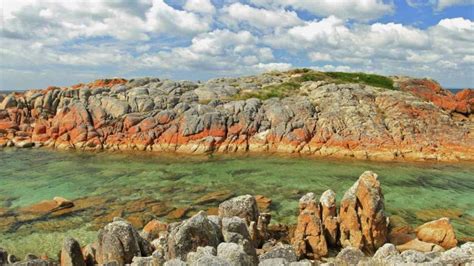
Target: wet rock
{"x":192,"y":233}
{"x":119,"y":242}
{"x":30,"y":256}
{"x":244,"y":207}
{"x":234,"y":229}
{"x":363,"y":224}
{"x":280,"y":251}
{"x":439,"y":232}
{"x":329,"y":218}
{"x":216,"y":196}
{"x":385,"y":251}
{"x":350,"y":256}
{"x":63,"y":203}
{"x":234,"y":254}
{"x":309,"y":236}
{"x":71,"y":254}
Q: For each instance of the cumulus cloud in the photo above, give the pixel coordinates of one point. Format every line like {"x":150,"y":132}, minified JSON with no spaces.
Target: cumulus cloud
{"x":72,"y":40}
{"x":351,"y":9}
{"x":442,"y":4}
{"x":258,"y":17}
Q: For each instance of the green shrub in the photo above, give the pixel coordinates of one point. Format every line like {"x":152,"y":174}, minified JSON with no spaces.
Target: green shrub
{"x":282,"y":90}
{"x":368,"y":79}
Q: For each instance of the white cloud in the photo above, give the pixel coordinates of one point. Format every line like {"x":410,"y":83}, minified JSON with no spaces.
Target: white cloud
{"x":443,"y":4}
{"x":317,"y":56}
{"x":258,"y":17}
{"x":200,"y":6}
{"x":363,"y":10}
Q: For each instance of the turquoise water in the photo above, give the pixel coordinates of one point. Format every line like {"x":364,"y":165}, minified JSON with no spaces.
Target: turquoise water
{"x":416,"y":192}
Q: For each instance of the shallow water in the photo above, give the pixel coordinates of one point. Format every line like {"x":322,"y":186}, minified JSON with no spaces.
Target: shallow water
{"x":416,"y":192}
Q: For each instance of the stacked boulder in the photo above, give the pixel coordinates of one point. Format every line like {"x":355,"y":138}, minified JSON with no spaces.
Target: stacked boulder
{"x":361,"y":223}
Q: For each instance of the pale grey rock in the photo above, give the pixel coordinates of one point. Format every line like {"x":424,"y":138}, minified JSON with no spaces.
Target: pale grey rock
{"x":386,"y":250}
{"x":413,"y":256}
{"x":350,"y":255}
{"x":188,"y":235}
{"x":234,"y":254}
{"x":200,"y":252}
{"x":283,"y":251}
{"x":175,"y":262}
{"x":274,"y":262}
{"x":242,"y":206}
{"x":234,"y":229}
{"x":207,"y":259}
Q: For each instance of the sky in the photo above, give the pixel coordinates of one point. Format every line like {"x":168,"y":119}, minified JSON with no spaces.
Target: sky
{"x":53,"y":42}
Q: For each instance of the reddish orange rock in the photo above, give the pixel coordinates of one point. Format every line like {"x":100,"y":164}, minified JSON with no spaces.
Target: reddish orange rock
{"x":308,"y":239}
{"x":263,"y":202}
{"x":153,"y":228}
{"x":329,"y":216}
{"x":439,"y":232}
{"x":363,"y":222}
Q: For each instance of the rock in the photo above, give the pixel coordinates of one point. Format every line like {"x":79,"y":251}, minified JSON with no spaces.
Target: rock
{"x":89,"y":254}
{"x":120,"y":242}
{"x":350,"y":256}
{"x":385,"y":251}
{"x":63,"y":203}
{"x":215,"y":196}
{"x":413,"y":256}
{"x":210,"y":260}
{"x":192,"y":233}
{"x":71,"y":253}
{"x":12,"y":259}
{"x":37,"y":262}
{"x":3,"y":256}
{"x":147,"y":261}
{"x":178,"y":213}
{"x":30,"y":256}
{"x":234,"y":254}
{"x":244,"y":207}
{"x":439,"y":232}
{"x":263,"y":203}
{"x":363,"y":224}
{"x":329,"y":218}
{"x":175,"y":262}
{"x":234,"y":229}
{"x":274,"y":262}
{"x":200,"y":252}
{"x":281,"y":251}
{"x":152,"y":229}
{"x":309,"y":236}
{"x":420,"y":246}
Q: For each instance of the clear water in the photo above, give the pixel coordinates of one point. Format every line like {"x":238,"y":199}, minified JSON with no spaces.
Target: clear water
{"x":29,"y":176}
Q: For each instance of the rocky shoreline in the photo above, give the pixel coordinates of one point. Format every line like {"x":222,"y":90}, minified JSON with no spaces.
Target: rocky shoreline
{"x":354,"y":232}
{"x":337,"y":115}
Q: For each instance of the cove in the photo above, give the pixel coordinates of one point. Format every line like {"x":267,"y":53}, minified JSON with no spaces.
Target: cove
{"x":414,"y":192}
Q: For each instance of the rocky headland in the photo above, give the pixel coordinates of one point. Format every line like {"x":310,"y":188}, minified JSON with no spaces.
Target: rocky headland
{"x":355,"y":231}
{"x":340,"y":115}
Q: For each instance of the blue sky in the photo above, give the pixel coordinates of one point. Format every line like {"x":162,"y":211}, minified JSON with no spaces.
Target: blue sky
{"x":66,"y":42}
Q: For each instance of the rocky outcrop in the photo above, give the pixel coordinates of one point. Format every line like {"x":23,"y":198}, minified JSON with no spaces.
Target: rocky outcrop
{"x":417,"y":121}
{"x":363,"y":223}
{"x":330,"y":222}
